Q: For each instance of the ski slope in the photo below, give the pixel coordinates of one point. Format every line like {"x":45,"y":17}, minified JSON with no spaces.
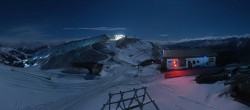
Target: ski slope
{"x":29,"y":89}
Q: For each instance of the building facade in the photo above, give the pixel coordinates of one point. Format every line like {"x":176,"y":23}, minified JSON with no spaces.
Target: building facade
{"x":188,"y":58}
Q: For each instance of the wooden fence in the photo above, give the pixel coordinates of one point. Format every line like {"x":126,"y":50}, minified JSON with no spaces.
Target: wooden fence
{"x":129,"y":100}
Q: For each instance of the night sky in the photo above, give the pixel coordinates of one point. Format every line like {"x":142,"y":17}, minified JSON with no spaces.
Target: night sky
{"x":147,"y":19}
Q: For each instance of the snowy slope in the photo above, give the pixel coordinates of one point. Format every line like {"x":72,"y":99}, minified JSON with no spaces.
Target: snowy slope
{"x":37,"y":93}
{"x":35,"y":89}
{"x":134,"y":51}
{"x":94,"y":49}
{"x":69,"y":46}
{"x":127,"y":50}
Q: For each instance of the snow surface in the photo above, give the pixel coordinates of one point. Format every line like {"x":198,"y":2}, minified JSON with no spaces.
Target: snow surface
{"x":139,"y":51}
{"x":30,"y":89}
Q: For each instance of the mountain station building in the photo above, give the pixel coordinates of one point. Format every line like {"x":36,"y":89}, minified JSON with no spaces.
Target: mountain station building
{"x":188,"y":58}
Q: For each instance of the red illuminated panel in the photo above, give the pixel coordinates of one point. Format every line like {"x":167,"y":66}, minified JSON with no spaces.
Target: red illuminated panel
{"x":175,"y":64}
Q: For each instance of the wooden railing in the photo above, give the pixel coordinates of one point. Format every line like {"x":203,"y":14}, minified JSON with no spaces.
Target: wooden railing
{"x":128,"y":100}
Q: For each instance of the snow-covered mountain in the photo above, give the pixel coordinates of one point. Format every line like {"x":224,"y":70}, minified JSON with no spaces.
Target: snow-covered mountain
{"x":101,"y":49}
{"x":229,"y":49}
{"x":215,"y":43}
{"x":134,"y":51}
{"x":34,"y":51}
{"x":31,"y":44}
{"x":12,"y":57}
{"x":59,"y":91}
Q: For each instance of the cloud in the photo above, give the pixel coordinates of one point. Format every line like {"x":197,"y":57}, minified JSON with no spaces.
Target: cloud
{"x":98,"y":28}
{"x":164,"y":35}
{"x":69,"y":28}
{"x":216,"y":37}
{"x":24,"y":33}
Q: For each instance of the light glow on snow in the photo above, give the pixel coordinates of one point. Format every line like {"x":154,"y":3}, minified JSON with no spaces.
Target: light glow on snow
{"x":35,"y":64}
{"x":25,"y":60}
{"x":118,"y":37}
{"x":26,"y":65}
{"x":46,"y":56}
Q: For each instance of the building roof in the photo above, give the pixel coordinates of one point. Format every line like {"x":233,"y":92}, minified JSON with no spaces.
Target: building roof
{"x":183,"y":53}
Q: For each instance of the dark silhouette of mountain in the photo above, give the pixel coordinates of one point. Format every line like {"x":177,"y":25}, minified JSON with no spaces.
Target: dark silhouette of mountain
{"x":35,"y":50}
{"x":232,"y":43}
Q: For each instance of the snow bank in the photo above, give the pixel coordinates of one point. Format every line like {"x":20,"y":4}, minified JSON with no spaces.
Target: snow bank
{"x":147,"y":70}
{"x":184,"y":93}
{"x":138,"y":51}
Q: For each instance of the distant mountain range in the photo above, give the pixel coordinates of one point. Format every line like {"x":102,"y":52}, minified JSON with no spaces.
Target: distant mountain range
{"x":130,"y":50}
{"x":231,"y":49}
{"x":226,"y":43}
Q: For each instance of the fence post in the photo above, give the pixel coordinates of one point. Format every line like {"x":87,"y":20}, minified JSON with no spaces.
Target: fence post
{"x":109,"y":101}
{"x":137,"y":95}
{"x":152,"y":101}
